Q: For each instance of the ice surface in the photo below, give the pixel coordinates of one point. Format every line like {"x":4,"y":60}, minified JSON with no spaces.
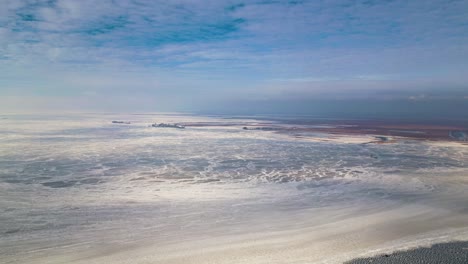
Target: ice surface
{"x":78,"y":186}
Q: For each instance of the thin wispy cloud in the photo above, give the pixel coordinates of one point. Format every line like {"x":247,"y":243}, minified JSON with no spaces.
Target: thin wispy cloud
{"x":216,"y":50}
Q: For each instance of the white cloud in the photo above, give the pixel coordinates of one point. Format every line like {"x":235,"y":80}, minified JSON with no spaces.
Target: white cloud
{"x":193,"y":46}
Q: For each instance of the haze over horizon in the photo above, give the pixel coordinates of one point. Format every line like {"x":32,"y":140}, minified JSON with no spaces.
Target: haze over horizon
{"x":327,"y":58}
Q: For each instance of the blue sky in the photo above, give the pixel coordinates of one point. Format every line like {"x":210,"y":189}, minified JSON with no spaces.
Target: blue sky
{"x":181,"y":55}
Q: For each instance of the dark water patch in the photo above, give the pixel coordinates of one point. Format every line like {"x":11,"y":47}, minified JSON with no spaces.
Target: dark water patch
{"x":189,"y":180}
{"x":393,"y":171}
{"x":59,"y":184}
{"x":42,"y":178}
{"x":112,"y":164}
{"x":138,"y":179}
{"x":96,"y":168}
{"x":175,"y":176}
{"x":90,"y":181}
{"x":16,"y":179}
{"x":112,"y":172}
{"x":208,"y":180}
{"x":146,"y":173}
{"x":382,"y":138}
{"x":284,"y":179}
{"x":377,"y":192}
{"x":13,"y":181}
{"x":12,"y":231}
{"x":39,"y":222}
{"x":453,"y":252}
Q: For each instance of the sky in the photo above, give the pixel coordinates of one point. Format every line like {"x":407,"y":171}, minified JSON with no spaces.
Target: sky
{"x":220,"y":56}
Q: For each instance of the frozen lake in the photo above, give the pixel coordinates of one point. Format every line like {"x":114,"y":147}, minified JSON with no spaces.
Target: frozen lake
{"x":80,"y":189}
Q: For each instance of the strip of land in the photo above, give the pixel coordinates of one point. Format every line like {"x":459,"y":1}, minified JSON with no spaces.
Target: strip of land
{"x":385,"y":130}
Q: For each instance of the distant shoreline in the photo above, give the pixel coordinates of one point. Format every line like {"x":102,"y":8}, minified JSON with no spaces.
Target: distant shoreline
{"x":379,"y":128}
